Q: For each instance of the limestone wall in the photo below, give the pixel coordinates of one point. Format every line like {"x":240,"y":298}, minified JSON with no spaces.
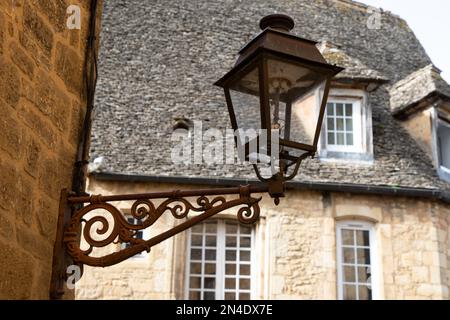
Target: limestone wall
{"x":296,"y":249}
{"x":41,"y":109}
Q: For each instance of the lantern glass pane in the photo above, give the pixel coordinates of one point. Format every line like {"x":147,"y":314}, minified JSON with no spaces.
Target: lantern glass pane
{"x":295,"y":95}
{"x":245,"y":97}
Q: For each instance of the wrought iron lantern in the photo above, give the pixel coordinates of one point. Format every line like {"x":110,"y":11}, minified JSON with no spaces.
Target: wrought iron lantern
{"x":280,"y":84}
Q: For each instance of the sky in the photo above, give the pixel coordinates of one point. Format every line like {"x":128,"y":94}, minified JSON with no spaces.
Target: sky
{"x":430,"y":21}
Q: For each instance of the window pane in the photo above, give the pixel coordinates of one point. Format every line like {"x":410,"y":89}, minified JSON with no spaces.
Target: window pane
{"x":349,"y":139}
{"x":197,"y":228}
{"x":230,"y":283}
{"x":196,"y":240}
{"x":362,"y":238}
{"x":363,"y":274}
{"x":231,"y":241}
{"x":245,"y":256}
{"x":349,"y":274}
{"x":210,"y":241}
{"x":245,"y":230}
{"x":349,"y":292}
{"x":230,"y":255}
{"x":244,"y":269}
{"x":244,"y":284}
{"x":444,"y":144}
{"x":330,"y":124}
{"x":196,"y":268}
{"x":340,"y":124}
{"x":196,"y":254}
{"x":194,"y":295}
{"x":331,"y":138}
{"x":209,"y":295}
{"x":210,"y":268}
{"x":349,"y":124}
{"x":349,"y":255}
{"x":363,"y":256}
{"x":210,"y":255}
{"x":339,"y":109}
{"x":231,"y":228}
{"x":347,"y":237}
{"x":244,"y":296}
{"x":209,"y":283}
{"x":330,"y":109}
{"x":230,"y":268}
{"x":340,"y":139}
{"x":195,"y":282}
{"x":230,"y":296}
{"x":365,"y":293}
{"x":245,"y":242}
{"x":211,"y":227}
{"x":348,"y":109}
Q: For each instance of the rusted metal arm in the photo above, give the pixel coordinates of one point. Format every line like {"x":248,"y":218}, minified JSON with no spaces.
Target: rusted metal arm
{"x":99,"y":223}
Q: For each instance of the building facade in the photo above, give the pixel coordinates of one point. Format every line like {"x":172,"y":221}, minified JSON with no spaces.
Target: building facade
{"x":42,"y":106}
{"x":367,"y":219}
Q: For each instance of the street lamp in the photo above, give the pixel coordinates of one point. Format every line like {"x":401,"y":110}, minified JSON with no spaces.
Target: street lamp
{"x":280,"y":84}
{"x":276,"y":85}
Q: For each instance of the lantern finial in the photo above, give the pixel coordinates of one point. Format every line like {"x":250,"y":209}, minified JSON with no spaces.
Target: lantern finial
{"x":281,"y":22}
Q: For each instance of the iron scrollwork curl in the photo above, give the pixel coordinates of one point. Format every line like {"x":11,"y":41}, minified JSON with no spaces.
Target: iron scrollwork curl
{"x":102,"y":229}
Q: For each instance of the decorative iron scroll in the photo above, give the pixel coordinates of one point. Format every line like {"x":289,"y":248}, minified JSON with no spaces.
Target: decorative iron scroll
{"x":86,"y":222}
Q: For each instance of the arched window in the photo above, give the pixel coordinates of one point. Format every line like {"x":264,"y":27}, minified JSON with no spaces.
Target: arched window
{"x":357,"y":272}
{"x":219,"y":261}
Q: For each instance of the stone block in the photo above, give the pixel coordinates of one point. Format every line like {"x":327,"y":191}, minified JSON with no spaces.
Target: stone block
{"x":10,"y":87}
{"x":21,"y":59}
{"x":42,"y":128}
{"x":33,"y":243}
{"x":69,"y":68}
{"x":8,"y":185}
{"x":49,"y":179}
{"x":11,"y":133}
{"x":27,"y":42}
{"x":25,"y":201}
{"x":28,"y":90}
{"x":47,"y":217}
{"x":7,"y":228}
{"x":33,"y":150}
{"x":2,"y":32}
{"x":52,"y":101}
{"x":420,"y":275}
{"x":18,"y":270}
{"x":55,"y":10}
{"x":38,"y":28}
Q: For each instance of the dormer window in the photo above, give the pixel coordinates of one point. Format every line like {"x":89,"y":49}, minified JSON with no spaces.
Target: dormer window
{"x":443,"y":141}
{"x":347,"y":127}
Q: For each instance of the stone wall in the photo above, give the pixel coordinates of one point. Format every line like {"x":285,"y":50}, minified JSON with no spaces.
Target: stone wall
{"x":296,"y":248}
{"x":41,"y":110}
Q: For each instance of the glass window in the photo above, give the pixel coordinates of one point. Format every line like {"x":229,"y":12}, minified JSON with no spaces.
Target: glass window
{"x":354,"y":251}
{"x":139,"y":235}
{"x":343,"y":126}
{"x":219,"y":265}
{"x":443,"y":136}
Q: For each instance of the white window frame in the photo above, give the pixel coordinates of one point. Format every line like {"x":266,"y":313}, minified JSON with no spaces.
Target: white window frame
{"x":444,"y":124}
{"x":439,"y":119}
{"x":142,"y":254}
{"x":220,"y":262}
{"x":374,"y":266}
{"x":357,"y":126}
{"x":362,"y":149}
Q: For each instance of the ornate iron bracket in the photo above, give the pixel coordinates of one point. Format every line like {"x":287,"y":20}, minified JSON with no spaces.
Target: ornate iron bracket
{"x":77,"y":218}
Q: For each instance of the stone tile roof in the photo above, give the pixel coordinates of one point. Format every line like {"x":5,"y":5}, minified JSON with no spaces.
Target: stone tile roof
{"x":355,"y":69}
{"x":158,"y":62}
{"x":416,"y":87}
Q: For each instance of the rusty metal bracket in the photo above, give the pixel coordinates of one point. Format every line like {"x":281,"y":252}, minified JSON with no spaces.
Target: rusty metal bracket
{"x":77,"y":217}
